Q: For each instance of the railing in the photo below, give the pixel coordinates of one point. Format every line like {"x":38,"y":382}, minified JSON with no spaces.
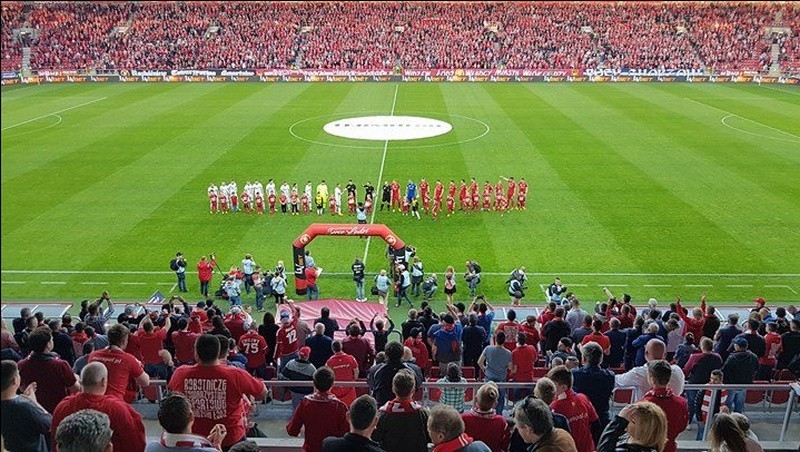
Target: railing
{"x":792,"y":388}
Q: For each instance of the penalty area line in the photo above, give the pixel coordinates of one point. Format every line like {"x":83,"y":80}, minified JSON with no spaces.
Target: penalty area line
{"x":53,"y":113}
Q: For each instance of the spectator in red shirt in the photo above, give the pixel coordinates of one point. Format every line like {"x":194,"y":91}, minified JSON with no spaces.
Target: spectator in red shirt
{"x":287,"y":345}
{"x":52,"y":375}
{"x":235,"y":322}
{"x":575,"y":407}
{"x":419,"y":350}
{"x":321,"y":413}
{"x":184,"y":341}
{"x":482,"y":422}
{"x":597,"y":336}
{"x":205,"y":270}
{"x":511,"y":328}
{"x":675,"y":407}
{"x":157,"y":361}
{"x":122,"y":367}
{"x":215,"y":391}
{"x":129,"y":433}
{"x":696,"y":322}
{"x":531,"y":331}
{"x":254,"y":347}
{"x":360,"y":348}
{"x":767,"y":362}
{"x":523,"y":359}
{"x":345,"y":368}
{"x":199,"y":311}
{"x":312,"y":272}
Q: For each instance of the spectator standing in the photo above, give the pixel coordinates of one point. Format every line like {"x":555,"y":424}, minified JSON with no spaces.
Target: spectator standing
{"x":453,"y":396}
{"x":533,"y":420}
{"x":382,"y":284}
{"x":81,"y":362}
{"x":685,"y":350}
{"x":702,"y":403}
{"x":410,"y":324}
{"x":53,"y":376}
{"x":345,"y":368}
{"x":496,"y":361}
{"x":485,"y":316}
{"x":447,"y":342}
{"x":122,"y":366}
{"x":417,"y":275}
{"x":711,"y":325}
{"x":699,"y":367}
{"x":400,"y":419}
{"x":740,"y":368}
{"x":176,"y":418}
{"x":269,"y":331}
{"x":769,"y":359}
{"x":473,"y":276}
{"x":96,"y":319}
{"x":129,"y":432}
{"x":576,"y":315}
{"x":598,"y":337}
{"x":358,"y":278}
{"x":636,"y":378}
{"x":184,"y":341}
{"x":363,"y":417}
{"x":321,"y":414}
{"x":287,"y":344}
{"x":523,"y":360}
{"x":248,"y":268}
{"x":483,"y":423}
{"x":320,"y":346}
{"x":178,"y":265}
{"x":380,"y":334}
{"x":19,"y":323}
{"x":790,"y":343}
{"x":640,"y":343}
{"x":631,"y":334}
{"x":254,"y":348}
{"x":236,"y":322}
{"x":511,"y":329}
{"x":84,"y":431}
{"x":531,"y":331}
{"x":596,"y":383}
{"x":575,"y":407}
{"x":675,"y":407}
{"x":646,"y":426}
{"x":157,"y":361}
{"x":473,"y":338}
{"x":26,"y":423}
{"x":205,"y":271}
{"x":312,"y":272}
{"x":556,"y":291}
{"x":359,"y":347}
{"x":62,"y":342}
{"x":299,"y":369}
{"x":724,"y":337}
{"x":419,"y":350}
{"x":616,"y":340}
{"x":331,"y":325}
{"x":215,"y":391}
{"x":554,"y":330}
{"x":384,"y":375}
{"x":450,"y":286}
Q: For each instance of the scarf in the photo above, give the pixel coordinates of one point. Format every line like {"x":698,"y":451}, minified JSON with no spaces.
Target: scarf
{"x":454,"y":444}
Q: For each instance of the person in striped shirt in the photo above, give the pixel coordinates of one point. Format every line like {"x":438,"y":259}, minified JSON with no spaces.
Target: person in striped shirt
{"x":453,"y":396}
{"x":703,"y":403}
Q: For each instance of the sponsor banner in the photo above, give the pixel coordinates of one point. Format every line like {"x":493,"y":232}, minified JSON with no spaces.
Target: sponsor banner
{"x":641,"y":72}
{"x":9,"y":75}
{"x":10,"y":81}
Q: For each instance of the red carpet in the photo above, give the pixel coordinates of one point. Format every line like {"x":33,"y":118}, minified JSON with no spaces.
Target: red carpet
{"x":341,"y":310}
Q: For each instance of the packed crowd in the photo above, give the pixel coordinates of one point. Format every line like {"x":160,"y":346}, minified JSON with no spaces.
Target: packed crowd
{"x":258,"y":198}
{"x":329,"y":35}
{"x":569,"y":361}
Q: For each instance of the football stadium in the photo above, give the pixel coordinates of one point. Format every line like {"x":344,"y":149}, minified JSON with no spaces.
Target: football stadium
{"x":400,"y":226}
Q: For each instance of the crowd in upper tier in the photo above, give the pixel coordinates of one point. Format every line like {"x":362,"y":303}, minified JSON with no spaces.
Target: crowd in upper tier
{"x":370,"y":35}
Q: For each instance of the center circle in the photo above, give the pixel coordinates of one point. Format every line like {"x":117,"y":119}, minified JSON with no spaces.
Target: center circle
{"x":387,"y":128}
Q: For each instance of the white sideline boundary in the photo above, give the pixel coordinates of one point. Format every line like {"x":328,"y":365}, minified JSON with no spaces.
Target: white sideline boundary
{"x":55,"y":113}
{"x":552,"y":274}
{"x":380,"y":176}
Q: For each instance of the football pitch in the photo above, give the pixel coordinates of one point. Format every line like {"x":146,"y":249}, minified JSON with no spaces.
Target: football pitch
{"x":656,"y":190}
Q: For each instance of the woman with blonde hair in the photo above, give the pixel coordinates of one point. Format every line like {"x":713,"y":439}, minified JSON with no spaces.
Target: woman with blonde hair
{"x":450,"y":283}
{"x":727,"y":436}
{"x":646,"y":426}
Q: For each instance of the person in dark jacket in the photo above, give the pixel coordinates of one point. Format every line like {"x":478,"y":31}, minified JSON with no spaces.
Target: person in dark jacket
{"x":740,"y":368}
{"x":725,"y":335}
{"x":631,"y":334}
{"x":616,"y":338}
{"x":331,"y":325}
{"x":712,"y":324}
{"x":596,"y":383}
{"x":533,"y":421}
{"x":790,"y":343}
{"x":380,"y":332}
{"x":410,"y":324}
{"x":269,"y":331}
{"x":299,"y":369}
{"x":320,"y":346}
{"x":402,"y":421}
{"x":554,"y":330}
{"x":473,"y":338}
{"x":755,"y":341}
{"x":382,"y":389}
{"x":646,"y":426}
{"x":62,"y":342}
{"x":363,"y":417}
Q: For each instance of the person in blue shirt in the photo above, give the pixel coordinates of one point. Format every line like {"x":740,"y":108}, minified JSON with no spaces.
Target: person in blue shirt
{"x":725,"y":335}
{"x":617,"y":339}
{"x":485,"y":316}
{"x":640,"y":342}
{"x":411,"y":191}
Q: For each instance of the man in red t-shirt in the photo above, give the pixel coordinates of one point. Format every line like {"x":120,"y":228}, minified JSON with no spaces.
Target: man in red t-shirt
{"x":597,"y":336}
{"x":129,"y":433}
{"x":184,"y":340}
{"x":205,"y":270}
{"x":53,"y":376}
{"x":359,"y":348}
{"x":511,"y":329}
{"x":345,"y":368}
{"x":254,"y":347}
{"x":773,"y":344}
{"x":234,"y":321}
{"x":286,"y":343}
{"x":124,"y":371}
{"x":528,"y":328}
{"x":575,"y":407}
{"x":523,"y":359}
{"x":156,"y":360}
{"x":321,"y":413}
{"x":215,"y":391}
{"x":675,"y":407}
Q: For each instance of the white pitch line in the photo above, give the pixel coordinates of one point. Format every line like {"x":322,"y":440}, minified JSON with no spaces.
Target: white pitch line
{"x":610,"y":275}
{"x":783,"y":287}
{"x":94,"y":283}
{"x":133,"y":284}
{"x":699,"y":285}
{"x":14,"y":282}
{"x":746,"y":119}
{"x":738,"y":285}
{"x":576,"y":285}
{"x":380,"y":176}
{"x":173,"y":287}
{"x":612,"y":285}
{"x":657,"y":285}
{"x":52,"y":282}
{"x":53,"y":113}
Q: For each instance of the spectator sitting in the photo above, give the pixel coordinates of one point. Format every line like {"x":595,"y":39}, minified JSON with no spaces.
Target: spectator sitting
{"x":646,"y":426}
{"x":744,"y":425}
{"x":321,"y":414}
{"x":363,"y":417}
{"x":26,"y":424}
{"x":398,"y":428}
{"x":453,"y":396}
{"x":446,"y":430}
{"x":85,"y":431}
{"x":129,"y":433}
{"x":534,"y":422}
{"x":482,"y":422}
{"x":176,"y":418}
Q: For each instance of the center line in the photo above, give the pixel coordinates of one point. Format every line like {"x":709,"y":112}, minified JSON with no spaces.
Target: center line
{"x":380,"y":177}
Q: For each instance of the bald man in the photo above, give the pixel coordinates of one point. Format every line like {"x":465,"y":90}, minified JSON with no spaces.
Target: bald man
{"x":636,"y":378}
{"x":125,"y":421}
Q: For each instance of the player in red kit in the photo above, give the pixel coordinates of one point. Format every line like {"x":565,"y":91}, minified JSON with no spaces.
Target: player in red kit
{"x":332,"y":205}
{"x":520,"y":201}
{"x":512,"y":187}
{"x":466,"y":204}
{"x":451,"y":205}
{"x":259,"y":204}
{"x":476,"y":201}
{"x":498,"y":191}
{"x":351,"y":204}
{"x":523,"y":193}
{"x":213,"y":203}
{"x":223,"y":203}
{"x":451,"y":188}
{"x":437,"y":207}
{"x":473,"y":188}
{"x":405,"y":206}
{"x":395,"y":195}
{"x":424,"y":190}
{"x":501,"y":204}
{"x":462,"y":193}
{"x":271,"y":199}
{"x":234,"y":202}
{"x":246,"y":206}
{"x":368,"y":204}
{"x":304,"y":204}
{"x":426,"y":202}
{"x":438,"y":191}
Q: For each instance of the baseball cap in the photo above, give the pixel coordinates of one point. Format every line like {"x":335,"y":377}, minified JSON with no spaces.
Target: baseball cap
{"x":741,"y":342}
{"x":760,"y":301}
{"x":284,"y":316}
{"x":201,"y":304}
{"x":305,"y":352}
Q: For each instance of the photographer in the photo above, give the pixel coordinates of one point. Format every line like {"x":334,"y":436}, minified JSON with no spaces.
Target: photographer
{"x":515,"y":290}
{"x":358,"y":278}
{"x":248,"y":268}
{"x":473,"y":276}
{"x":178,"y":265}
{"x":555,"y":291}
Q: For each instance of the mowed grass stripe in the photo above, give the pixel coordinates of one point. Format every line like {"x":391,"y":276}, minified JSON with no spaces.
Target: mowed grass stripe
{"x":145,"y":168}
{"x":712,"y":190}
{"x":778,"y":98}
{"x":181,"y":221}
{"x":720,"y":150}
{"x":621,"y":186}
{"x":518,"y":143}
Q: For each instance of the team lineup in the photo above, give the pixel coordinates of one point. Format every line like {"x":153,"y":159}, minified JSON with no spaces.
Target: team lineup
{"x":506,"y":194}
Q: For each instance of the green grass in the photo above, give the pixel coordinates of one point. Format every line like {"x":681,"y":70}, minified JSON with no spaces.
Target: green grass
{"x":632,"y":185}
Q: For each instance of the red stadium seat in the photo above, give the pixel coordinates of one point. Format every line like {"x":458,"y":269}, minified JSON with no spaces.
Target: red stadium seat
{"x":622,"y":396}
{"x":779,"y":396}
{"x":539,"y":372}
{"x":434,"y":371}
{"x":755,"y":396}
{"x":468,"y":372}
{"x":434,"y":394}
{"x":617,"y":370}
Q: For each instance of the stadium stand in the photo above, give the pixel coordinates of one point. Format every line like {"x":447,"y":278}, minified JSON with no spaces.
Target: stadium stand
{"x":364,"y":35}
